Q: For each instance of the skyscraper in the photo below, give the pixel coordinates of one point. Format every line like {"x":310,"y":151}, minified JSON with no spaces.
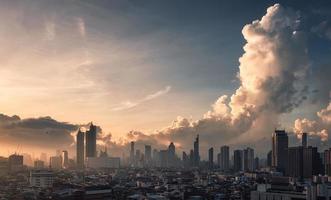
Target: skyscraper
{"x":312,"y":163}
{"x":65,"y":159}
{"x":237,"y":160}
{"x":196,"y":153}
{"x":91,"y":141}
{"x":295,"y":162}
{"x":248,"y":159}
{"x":80,"y":149}
{"x":269,"y":159}
{"x":148,"y":154}
{"x":224,"y":158}
{"x":280,"y":150}
{"x":304,"y":140}
{"x":211,"y":157}
{"x":132,"y":153}
{"x":171,"y":155}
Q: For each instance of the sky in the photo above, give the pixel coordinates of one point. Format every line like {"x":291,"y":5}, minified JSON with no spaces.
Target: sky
{"x":161,"y":71}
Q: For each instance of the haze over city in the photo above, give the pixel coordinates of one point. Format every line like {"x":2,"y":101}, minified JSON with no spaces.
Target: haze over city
{"x":157,"y":72}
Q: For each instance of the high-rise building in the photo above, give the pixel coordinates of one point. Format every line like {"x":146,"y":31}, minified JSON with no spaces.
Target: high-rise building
{"x":248,"y":159}
{"x":91,"y":141}
{"x":148,"y":154}
{"x":15,"y":163}
{"x":132,"y":153}
{"x":171,"y":155}
{"x":211,"y":157}
{"x":269,"y":159}
{"x":39,"y":164}
{"x":257,"y":163}
{"x":304,"y":140}
{"x":164,"y":158}
{"x":156,"y":158}
{"x":327,"y":162}
{"x":295,"y":162}
{"x":196,"y":152}
{"x":65,"y":159}
{"x":80,"y":149}
{"x":237,"y":160}
{"x":224,"y":158}
{"x":186,"y":160}
{"x":55,"y":162}
{"x":280,"y":150}
{"x":312,"y":164}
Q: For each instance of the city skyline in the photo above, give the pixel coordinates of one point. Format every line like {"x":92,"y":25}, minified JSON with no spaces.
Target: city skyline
{"x":231,"y":83}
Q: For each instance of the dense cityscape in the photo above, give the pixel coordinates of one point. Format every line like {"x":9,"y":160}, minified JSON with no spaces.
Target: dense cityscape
{"x":190,"y":100}
{"x":286,"y":172}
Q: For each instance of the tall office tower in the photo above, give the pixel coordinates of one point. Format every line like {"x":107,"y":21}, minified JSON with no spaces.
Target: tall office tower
{"x":327,"y":162}
{"x":269,"y":159}
{"x":156,"y":158}
{"x":248,"y":159}
{"x":237,"y":160}
{"x":225,"y":158}
{"x":295,"y":162}
{"x":148,"y":154}
{"x":257,"y":163}
{"x":132,"y":153}
{"x":80,"y":149}
{"x":211,"y":157}
{"x":91,"y":141}
{"x":304,"y":139}
{"x":186,"y":160}
{"x":218,"y":157}
{"x":15,"y":163}
{"x":164,"y":158}
{"x":196,"y":152}
{"x":280,"y":150}
{"x":171,"y":155}
{"x":55,"y":162}
{"x":65,"y":159}
{"x":191,"y":157}
{"x":312,"y":163}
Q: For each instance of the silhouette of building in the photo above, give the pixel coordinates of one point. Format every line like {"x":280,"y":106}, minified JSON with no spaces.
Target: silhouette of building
{"x":196,"y":152}
{"x":295,"y":162}
{"x":304,"y":140}
{"x":39,"y":164}
{"x":132,"y":153}
{"x":55,"y":162}
{"x":148,"y":154}
{"x":171,"y":155}
{"x":327,"y":162}
{"x":312,"y":164}
{"x":224,"y":158}
{"x":211,"y":157}
{"x":163,"y":158}
{"x":237,"y":160}
{"x":65,"y":159}
{"x":15,"y":163}
{"x":269,"y":159}
{"x":186,"y":160}
{"x":248,"y":160}
{"x":280,"y":150}
{"x":257,"y":163}
{"x":91,"y":141}
{"x":80,"y":149}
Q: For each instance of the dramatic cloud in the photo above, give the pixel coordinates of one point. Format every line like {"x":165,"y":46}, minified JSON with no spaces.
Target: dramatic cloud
{"x":35,"y":133}
{"x":131,"y":104}
{"x":319,"y":127}
{"x":271,"y":74}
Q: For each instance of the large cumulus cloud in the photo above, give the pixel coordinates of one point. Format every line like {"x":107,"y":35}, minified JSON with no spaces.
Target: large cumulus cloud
{"x":271,"y":74}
